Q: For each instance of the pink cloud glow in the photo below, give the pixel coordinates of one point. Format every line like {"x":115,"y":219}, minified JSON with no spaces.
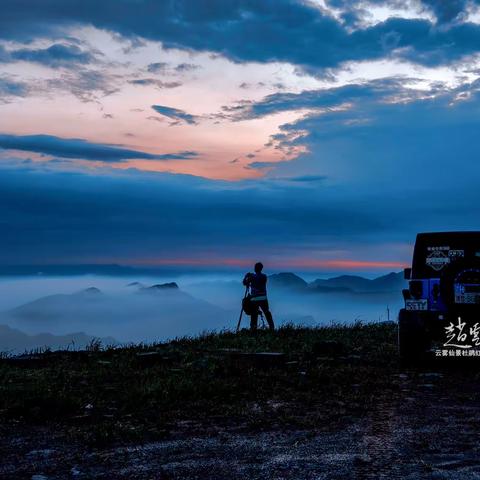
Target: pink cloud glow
{"x":314,"y":264}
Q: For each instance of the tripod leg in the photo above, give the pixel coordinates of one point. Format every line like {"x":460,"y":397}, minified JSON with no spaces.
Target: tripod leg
{"x":239,"y":320}
{"x":241,"y":312}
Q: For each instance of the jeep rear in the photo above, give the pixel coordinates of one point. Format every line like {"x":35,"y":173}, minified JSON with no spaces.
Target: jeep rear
{"x":444,"y":286}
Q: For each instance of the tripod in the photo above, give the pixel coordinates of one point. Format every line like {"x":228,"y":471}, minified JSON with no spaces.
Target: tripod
{"x":241,"y":312}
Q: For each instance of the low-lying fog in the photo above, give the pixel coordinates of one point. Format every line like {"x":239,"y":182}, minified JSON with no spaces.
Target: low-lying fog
{"x":70,"y":311}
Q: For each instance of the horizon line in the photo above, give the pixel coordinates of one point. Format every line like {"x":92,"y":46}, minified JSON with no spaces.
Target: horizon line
{"x":308,"y":264}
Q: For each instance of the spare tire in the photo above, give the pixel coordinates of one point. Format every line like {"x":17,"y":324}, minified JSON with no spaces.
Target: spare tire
{"x":447,"y":280}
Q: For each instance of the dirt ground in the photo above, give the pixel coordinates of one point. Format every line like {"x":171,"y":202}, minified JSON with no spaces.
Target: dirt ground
{"x":428,"y":430}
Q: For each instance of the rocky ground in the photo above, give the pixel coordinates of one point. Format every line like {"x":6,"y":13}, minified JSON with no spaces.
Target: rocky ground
{"x":419,"y":423}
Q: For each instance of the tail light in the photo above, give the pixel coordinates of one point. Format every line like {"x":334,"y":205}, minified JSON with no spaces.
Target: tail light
{"x":416,"y":289}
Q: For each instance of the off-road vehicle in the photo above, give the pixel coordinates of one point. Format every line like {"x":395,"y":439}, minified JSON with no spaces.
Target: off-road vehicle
{"x":444,"y":289}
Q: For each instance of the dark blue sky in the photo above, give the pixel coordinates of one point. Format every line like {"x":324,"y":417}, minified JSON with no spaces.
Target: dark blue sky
{"x":310,"y":134}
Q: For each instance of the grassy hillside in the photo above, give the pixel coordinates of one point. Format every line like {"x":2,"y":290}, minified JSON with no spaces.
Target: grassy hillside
{"x":142,"y":392}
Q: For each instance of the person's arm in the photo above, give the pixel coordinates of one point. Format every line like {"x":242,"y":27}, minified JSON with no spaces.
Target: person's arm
{"x":246,"y":279}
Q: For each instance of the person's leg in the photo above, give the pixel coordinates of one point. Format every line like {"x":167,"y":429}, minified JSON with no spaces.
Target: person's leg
{"x":268,"y":314}
{"x":254,"y":318}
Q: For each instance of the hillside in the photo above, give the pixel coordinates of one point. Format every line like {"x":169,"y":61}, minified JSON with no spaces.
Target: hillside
{"x":194,"y":374}
{"x":317,"y":403}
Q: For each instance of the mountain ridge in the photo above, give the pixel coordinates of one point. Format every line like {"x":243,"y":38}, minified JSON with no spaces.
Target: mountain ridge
{"x":390,"y":282}
{"x":13,"y":339}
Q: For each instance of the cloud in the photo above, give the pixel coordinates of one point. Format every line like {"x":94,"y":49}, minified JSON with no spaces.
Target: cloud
{"x":447,"y":11}
{"x":444,"y":11}
{"x":323,"y":100}
{"x":186,"y":67}
{"x":153,"y":118}
{"x":262,"y":165}
{"x":291,"y":31}
{"x":167,"y":68}
{"x":154,"y":82}
{"x":76,"y":148}
{"x":165,"y":215}
{"x":381,"y":159}
{"x":176,"y":114}
{"x":307,"y":178}
{"x":86,"y":85}
{"x":377,"y":145}
{"x":373,"y":175}
{"x":157,"y":67}
{"x":139,"y":216}
{"x":4,"y":55}
{"x":57,"y":55}
{"x":10,"y":88}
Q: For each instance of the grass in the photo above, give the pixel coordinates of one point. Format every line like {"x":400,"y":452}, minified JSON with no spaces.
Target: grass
{"x":107,"y":395}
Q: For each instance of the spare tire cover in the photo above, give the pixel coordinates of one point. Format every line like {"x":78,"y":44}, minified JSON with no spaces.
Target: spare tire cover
{"x":454,"y":272}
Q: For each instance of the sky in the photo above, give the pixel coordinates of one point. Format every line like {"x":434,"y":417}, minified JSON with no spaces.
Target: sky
{"x":309,"y":134}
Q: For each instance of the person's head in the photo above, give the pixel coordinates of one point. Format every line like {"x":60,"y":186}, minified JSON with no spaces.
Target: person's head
{"x":258,"y":267}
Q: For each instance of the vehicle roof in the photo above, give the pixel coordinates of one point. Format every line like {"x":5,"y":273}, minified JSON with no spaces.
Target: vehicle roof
{"x":450,"y":235}
{"x":468,"y":242}
{"x":453,"y":239}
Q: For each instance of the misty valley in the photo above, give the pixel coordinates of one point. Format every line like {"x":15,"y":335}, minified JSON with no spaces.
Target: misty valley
{"x":73,"y":312}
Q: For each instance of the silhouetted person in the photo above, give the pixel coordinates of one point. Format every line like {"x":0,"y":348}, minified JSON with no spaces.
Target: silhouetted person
{"x":258,"y":290}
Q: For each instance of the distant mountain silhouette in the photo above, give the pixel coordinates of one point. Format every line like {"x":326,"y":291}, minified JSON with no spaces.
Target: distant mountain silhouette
{"x":160,"y":286}
{"x":141,"y":314}
{"x":287,"y":280}
{"x":392,"y":282}
{"x":90,"y":291}
{"x":52,"y":308}
{"x":15,"y":341}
